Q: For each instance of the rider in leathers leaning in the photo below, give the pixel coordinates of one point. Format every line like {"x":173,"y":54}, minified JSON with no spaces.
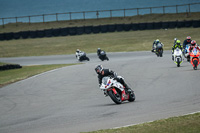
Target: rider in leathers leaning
{"x":107,"y":72}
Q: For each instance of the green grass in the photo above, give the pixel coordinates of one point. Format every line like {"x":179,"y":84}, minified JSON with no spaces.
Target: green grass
{"x":182,"y":124}
{"x":13,"y":75}
{"x":102,"y":21}
{"x":110,"y":42}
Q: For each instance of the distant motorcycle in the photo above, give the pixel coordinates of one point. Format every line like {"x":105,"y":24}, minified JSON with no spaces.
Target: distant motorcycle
{"x":102,"y":56}
{"x":186,"y":52}
{"x":158,"y":50}
{"x":178,"y":56}
{"x":116,"y":90}
{"x":195,"y":58}
{"x":81,"y":56}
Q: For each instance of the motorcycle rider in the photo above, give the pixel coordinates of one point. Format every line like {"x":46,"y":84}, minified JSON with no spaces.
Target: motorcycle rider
{"x":107,"y":72}
{"x":177,"y":44}
{"x":194,"y":45}
{"x":78,"y":53}
{"x":98,"y":51}
{"x":155,"y":43}
{"x":187,"y":41}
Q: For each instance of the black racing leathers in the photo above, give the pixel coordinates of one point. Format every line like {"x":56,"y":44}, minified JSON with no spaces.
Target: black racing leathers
{"x":185,"y":43}
{"x":108,"y":72}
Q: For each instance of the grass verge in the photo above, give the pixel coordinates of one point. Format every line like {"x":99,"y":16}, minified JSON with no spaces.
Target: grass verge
{"x":182,"y":124}
{"x":11,"y":76}
{"x":110,"y":42}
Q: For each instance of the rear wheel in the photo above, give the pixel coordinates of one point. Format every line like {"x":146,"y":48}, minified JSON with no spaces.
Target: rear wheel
{"x":115,"y":97}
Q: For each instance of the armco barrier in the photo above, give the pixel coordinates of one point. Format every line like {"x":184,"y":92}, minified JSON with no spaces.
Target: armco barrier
{"x":98,"y":29}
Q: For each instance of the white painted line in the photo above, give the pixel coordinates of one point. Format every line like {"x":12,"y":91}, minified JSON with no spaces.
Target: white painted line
{"x":152,"y":121}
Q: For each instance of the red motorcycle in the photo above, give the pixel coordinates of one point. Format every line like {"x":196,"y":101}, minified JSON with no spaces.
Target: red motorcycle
{"x":195,"y":58}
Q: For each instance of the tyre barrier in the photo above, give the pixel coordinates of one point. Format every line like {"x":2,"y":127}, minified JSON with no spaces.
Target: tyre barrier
{"x":17,"y":35}
{"x":80,"y":30}
{"x":56,"y":32}
{"x":98,"y":29}
{"x":9,"y":66}
{"x":88,"y":29}
{"x":25,"y":34}
{"x":104,"y":28}
{"x":120,"y":27}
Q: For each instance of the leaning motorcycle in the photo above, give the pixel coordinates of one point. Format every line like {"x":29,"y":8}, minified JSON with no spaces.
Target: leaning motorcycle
{"x":186,"y":52}
{"x":82,"y":56}
{"x":194,"y":58}
{"x":116,"y":90}
{"x":178,"y":56}
{"x":103,"y":56}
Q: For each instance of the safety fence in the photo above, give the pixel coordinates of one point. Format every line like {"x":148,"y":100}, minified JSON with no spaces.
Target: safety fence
{"x":98,"y":29}
{"x":192,"y":7}
{"x":9,"y":66}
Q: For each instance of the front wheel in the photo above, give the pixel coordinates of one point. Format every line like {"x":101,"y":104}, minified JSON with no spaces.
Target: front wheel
{"x":115,"y":97}
{"x":131,"y":96}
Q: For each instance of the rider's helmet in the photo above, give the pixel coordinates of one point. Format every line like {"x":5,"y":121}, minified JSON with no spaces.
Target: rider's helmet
{"x":178,"y":42}
{"x":188,"y":38}
{"x":98,"y":49}
{"x":193,"y":42}
{"x":157,"y":40}
{"x":98,"y":69}
{"x":77,"y":50}
{"x":175,"y":39}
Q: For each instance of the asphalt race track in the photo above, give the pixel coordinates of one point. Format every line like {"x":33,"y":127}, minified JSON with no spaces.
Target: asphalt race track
{"x":68,"y":100}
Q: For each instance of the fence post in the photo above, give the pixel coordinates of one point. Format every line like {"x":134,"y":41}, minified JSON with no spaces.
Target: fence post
{"x":57,"y":17}
{"x":137,"y":11}
{"x":70,"y":15}
{"x":84,"y":15}
{"x":163,"y":9}
{"x":97,"y":14}
{"x":176,"y":8}
{"x":150,"y":10}
{"x":189,"y":7}
{"x":43,"y":18}
{"x":16,"y":20}
{"x":124,"y":13}
{"x":110,"y":13}
{"x":3,"y":22}
{"x":29,"y":19}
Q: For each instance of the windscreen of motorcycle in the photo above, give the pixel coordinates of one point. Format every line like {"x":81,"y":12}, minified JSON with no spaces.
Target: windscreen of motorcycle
{"x":104,"y":80}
